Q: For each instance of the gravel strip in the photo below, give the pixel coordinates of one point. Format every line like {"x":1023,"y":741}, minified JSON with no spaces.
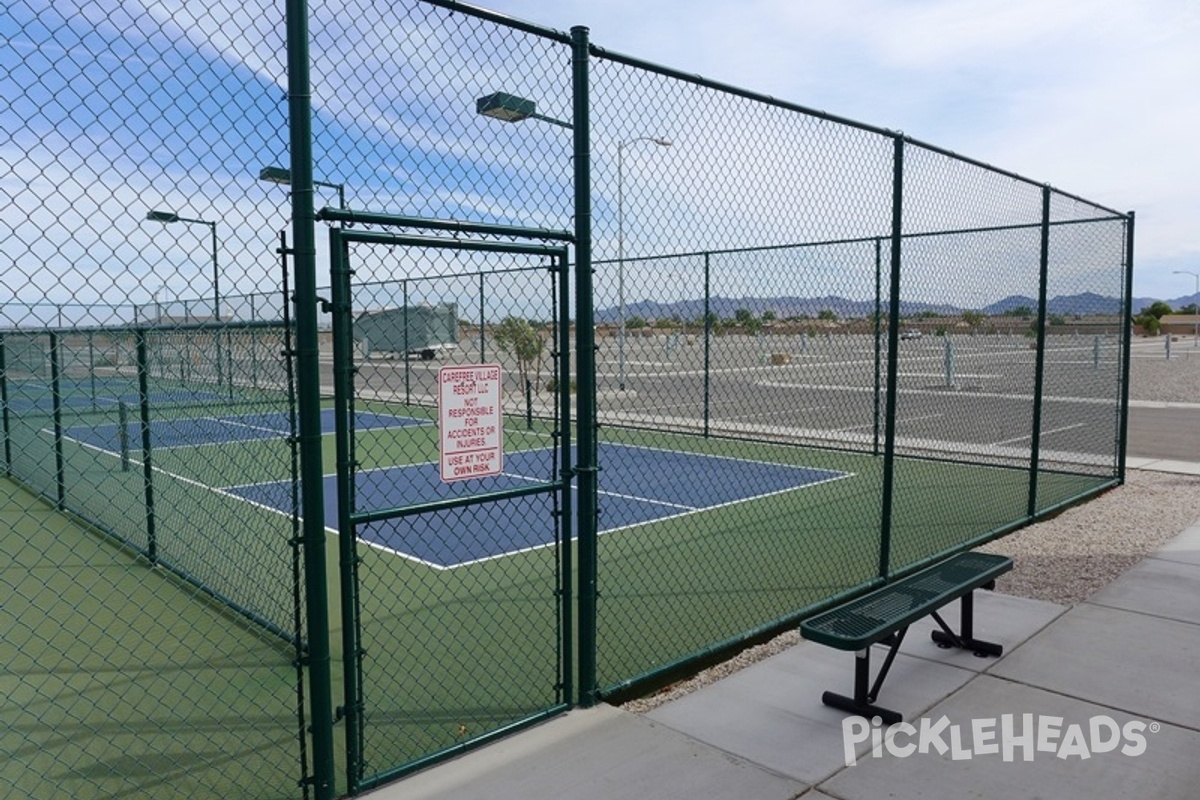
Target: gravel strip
{"x":1069,"y":557}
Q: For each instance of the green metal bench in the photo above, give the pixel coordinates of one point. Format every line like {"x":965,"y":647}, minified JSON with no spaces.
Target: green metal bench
{"x":882,"y":616}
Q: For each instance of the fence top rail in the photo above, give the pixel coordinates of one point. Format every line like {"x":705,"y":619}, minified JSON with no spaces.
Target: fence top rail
{"x":147,"y":327}
{"x":502,"y":19}
{"x":865,"y":239}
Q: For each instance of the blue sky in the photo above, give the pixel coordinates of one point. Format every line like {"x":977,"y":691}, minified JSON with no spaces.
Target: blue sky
{"x":128,"y":105}
{"x":1100,"y":98}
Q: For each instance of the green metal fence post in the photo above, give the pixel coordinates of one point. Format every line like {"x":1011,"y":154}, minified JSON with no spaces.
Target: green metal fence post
{"x":707,"y":343}
{"x":343,"y":392}
{"x":91,"y":340}
{"x":1039,"y":369}
{"x":878,"y":323}
{"x":585,"y":344}
{"x":563,"y":384}
{"x":143,"y":374}
{"x":4,"y":404}
{"x":1127,"y":331}
{"x":254,"y":357}
{"x":482,"y":351}
{"x":889,"y":443}
{"x":297,"y":541}
{"x":228,"y":337}
{"x":407,"y":349}
{"x":308,"y":399}
{"x":56,"y":402}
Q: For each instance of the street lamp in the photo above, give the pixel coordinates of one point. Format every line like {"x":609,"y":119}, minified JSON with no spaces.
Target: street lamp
{"x":1195,"y":305}
{"x":284,"y":178}
{"x":621,"y":246}
{"x":510,"y":108}
{"x":169,"y":217}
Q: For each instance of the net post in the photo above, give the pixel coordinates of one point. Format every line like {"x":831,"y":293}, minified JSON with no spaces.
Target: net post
{"x":528,"y":404}
{"x":123,"y":433}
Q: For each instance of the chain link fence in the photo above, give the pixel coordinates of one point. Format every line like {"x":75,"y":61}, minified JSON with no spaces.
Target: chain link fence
{"x":594,"y":370}
{"x":778,"y":285}
{"x":149,"y":625}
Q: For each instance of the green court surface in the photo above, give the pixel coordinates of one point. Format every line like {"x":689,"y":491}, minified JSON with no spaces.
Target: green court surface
{"x":122,"y":681}
{"x":118,"y":654}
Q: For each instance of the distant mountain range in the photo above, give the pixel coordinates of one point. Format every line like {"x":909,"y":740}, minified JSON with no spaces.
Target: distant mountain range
{"x":1084,"y":304}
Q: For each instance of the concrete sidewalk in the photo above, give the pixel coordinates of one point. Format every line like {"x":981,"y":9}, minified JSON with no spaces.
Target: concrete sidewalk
{"x":1130,"y":655}
{"x":1163,"y":465}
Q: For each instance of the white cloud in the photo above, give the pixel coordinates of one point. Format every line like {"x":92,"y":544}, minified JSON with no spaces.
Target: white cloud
{"x":1096,"y":97}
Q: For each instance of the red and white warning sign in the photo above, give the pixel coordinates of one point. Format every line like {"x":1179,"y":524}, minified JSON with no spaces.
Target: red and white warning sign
{"x":471,"y":433}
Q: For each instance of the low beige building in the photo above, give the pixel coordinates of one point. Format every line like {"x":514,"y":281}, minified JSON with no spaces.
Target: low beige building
{"x":1179,"y":324}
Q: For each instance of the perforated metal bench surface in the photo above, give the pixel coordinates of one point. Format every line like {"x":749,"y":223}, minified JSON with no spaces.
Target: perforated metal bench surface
{"x":876,"y":615}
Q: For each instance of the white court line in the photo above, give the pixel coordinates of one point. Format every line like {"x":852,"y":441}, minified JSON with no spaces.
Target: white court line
{"x":231,"y":421}
{"x":835,"y":477}
{"x":899,"y":420}
{"x":942,"y":375}
{"x":1043,"y":433}
{"x":620,"y":495}
{"x":650,"y":501}
{"x":939,"y":393}
{"x":832,"y":475}
{"x":160,"y":470}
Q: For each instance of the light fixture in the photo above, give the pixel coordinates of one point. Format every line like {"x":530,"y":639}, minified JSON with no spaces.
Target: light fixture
{"x":511,"y":108}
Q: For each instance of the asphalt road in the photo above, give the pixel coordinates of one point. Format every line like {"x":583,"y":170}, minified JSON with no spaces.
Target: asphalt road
{"x":828,"y":386}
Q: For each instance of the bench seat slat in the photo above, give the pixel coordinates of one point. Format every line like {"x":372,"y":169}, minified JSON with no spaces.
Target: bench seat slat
{"x":871,"y":618}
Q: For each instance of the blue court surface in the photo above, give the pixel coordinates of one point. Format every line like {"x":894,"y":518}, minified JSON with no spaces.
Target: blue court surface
{"x":639,"y":485}
{"x":227,"y":429}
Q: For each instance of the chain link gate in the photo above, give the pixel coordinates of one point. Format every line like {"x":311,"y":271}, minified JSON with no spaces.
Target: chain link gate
{"x":454,"y":620}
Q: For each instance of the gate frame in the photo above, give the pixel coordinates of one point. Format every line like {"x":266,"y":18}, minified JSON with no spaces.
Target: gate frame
{"x":344,"y":370}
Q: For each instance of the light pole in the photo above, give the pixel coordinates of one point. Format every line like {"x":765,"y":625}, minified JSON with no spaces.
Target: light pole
{"x":621,"y":247}
{"x":284,"y":178}
{"x":1195,"y":305}
{"x":168,"y":217}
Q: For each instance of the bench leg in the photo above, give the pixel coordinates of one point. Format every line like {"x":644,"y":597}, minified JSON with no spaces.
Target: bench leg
{"x":863,"y":702}
{"x":965,"y":639}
